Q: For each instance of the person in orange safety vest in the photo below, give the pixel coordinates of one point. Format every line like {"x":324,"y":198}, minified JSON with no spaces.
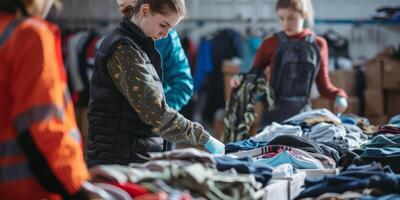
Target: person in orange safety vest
{"x":40,"y":145}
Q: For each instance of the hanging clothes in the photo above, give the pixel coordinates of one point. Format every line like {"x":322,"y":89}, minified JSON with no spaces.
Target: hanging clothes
{"x":204,"y":64}
{"x":250,"y":45}
{"x":226,"y":45}
{"x":191,"y":51}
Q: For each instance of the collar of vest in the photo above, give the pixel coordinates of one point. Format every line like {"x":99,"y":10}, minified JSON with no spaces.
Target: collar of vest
{"x":136,"y":34}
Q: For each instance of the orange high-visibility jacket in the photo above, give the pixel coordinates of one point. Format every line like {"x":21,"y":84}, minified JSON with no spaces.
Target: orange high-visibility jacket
{"x":40,"y":147}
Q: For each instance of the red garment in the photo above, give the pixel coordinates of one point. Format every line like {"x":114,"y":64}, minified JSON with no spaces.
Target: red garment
{"x":132,"y":189}
{"x":265,"y":57}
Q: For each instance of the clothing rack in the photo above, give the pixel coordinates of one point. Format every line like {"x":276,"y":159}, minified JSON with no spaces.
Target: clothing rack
{"x":90,"y":22}
{"x":274,"y":20}
{"x":358,"y":21}
{"x":85,"y":23}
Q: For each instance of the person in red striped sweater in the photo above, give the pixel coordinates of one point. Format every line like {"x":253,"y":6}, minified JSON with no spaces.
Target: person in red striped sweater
{"x":292,"y":60}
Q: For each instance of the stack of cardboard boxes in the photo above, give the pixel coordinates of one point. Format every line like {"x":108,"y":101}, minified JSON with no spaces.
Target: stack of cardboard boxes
{"x":347,"y":80}
{"x":382,"y":95}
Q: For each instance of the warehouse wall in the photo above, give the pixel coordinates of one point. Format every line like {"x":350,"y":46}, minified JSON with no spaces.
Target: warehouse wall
{"x":366,"y":40}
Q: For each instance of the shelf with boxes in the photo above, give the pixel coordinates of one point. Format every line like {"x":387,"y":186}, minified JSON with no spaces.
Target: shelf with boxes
{"x":380,"y":99}
{"x":382,"y":94}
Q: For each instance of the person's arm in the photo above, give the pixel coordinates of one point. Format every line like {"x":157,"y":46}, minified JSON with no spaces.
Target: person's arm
{"x":324,"y":84}
{"x":134,"y":80}
{"x":177,"y":80}
{"x":263,"y":54}
{"x":43,"y":114}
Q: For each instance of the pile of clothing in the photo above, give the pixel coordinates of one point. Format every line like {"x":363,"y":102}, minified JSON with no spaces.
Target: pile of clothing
{"x":318,"y":139}
{"x":188,"y":174}
{"x":362,"y":173}
{"x":383,"y":147}
{"x":311,"y":140}
{"x":356,"y":182}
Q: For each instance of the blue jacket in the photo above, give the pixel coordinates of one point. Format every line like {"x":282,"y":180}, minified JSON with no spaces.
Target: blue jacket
{"x":177,"y":80}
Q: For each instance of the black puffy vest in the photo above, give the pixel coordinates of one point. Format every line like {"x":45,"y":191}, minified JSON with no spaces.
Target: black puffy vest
{"x":296,"y":65}
{"x":116,"y":133}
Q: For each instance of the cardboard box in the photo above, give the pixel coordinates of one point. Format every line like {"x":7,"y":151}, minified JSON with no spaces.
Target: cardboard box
{"x":373,"y":102}
{"x":353,"y":105}
{"x":296,"y":183}
{"x":322,"y":103}
{"x":276,"y":189}
{"x":378,"y":119}
{"x":374,"y":74}
{"x":345,"y":79}
{"x":391,"y":74}
{"x":319,"y":173}
{"x":393,"y":102}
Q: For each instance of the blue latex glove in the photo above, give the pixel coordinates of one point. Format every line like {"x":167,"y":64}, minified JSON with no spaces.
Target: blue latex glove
{"x":340,"y":104}
{"x":214,"y":146}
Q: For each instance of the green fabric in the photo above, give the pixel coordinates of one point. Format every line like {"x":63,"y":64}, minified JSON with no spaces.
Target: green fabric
{"x":177,"y":80}
{"x":206,"y":182}
{"x":199,"y":179}
{"x":218,"y":185}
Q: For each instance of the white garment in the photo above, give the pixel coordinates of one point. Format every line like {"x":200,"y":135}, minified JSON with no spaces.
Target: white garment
{"x":324,"y":132}
{"x":276,"y":129}
{"x":355,"y":136}
{"x":282,"y":171}
{"x":299,"y":118}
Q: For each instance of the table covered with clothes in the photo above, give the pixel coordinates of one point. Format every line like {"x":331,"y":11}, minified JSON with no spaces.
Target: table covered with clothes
{"x":185,"y":174}
{"x":365,"y":156}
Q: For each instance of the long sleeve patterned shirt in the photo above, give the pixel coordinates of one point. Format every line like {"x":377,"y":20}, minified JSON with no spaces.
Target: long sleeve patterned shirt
{"x":141,"y":86}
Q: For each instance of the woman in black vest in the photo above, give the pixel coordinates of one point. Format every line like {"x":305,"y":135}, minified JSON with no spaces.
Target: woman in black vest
{"x":127,"y":109}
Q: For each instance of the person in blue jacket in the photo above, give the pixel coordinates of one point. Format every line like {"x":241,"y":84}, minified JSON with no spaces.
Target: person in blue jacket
{"x":177,"y":80}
